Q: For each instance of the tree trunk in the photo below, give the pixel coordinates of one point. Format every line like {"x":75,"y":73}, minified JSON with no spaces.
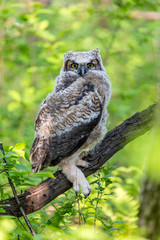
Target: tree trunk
{"x":149,"y":213}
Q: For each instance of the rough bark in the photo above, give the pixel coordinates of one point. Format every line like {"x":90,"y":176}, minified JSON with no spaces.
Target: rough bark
{"x":35,"y":198}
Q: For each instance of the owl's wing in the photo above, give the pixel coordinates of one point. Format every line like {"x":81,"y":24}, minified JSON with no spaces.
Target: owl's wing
{"x":64,"y":122}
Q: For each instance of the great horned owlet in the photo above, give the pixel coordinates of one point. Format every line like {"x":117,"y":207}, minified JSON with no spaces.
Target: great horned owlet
{"x":72,"y":117}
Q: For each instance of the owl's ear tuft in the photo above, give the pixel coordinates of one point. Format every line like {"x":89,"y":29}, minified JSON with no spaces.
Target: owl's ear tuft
{"x":96,"y":51}
{"x":68,"y":54}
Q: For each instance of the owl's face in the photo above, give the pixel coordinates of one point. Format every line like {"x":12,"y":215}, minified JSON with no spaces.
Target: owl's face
{"x":82,"y":62}
{"x":82,"y":67}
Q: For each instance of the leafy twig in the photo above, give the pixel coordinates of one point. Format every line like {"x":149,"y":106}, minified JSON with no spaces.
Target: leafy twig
{"x":15,"y":194}
{"x":79,"y":211}
{"x":95,"y":216}
{"x":22,"y":224}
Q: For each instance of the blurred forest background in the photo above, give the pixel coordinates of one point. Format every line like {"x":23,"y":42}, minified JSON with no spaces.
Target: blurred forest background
{"x":33,"y":38}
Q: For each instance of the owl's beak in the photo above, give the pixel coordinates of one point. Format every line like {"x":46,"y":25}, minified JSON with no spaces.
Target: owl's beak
{"x":82,"y":70}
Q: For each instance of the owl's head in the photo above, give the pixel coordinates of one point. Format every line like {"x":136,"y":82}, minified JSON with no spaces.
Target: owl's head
{"x":82,"y":62}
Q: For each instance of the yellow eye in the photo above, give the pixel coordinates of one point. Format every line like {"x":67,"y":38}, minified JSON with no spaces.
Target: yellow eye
{"x":74,"y":65}
{"x":90,"y":65}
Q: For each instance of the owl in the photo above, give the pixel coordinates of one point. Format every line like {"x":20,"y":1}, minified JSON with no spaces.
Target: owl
{"x":72,"y":118}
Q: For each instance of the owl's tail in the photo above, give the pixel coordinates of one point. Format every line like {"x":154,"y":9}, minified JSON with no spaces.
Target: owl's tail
{"x":38,"y":153}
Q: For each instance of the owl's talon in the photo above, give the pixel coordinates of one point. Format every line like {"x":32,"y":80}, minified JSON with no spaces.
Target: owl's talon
{"x":86,"y":191}
{"x":86,"y":195}
{"x":90,"y":165}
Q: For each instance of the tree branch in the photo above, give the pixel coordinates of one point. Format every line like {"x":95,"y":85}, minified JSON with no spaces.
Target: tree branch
{"x":146,"y":15}
{"x":35,"y":198}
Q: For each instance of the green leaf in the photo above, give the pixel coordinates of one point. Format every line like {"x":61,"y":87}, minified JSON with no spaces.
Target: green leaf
{"x":108,"y":175}
{"x":8,"y":148}
{"x":26,"y":156}
{"x":28,"y":184}
{"x":113,"y":229}
{"x":118,"y":221}
{"x":20,"y":146}
{"x":11,"y":155}
{"x":43,"y":24}
{"x":15,"y":95}
{"x":43,"y":174}
{"x":114,"y":167}
{"x":7,"y":205}
{"x":13,"y":107}
{"x":2,"y":210}
{"x":21,"y":167}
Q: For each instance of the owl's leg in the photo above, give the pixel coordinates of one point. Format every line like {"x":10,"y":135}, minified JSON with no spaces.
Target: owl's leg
{"x":76,"y":176}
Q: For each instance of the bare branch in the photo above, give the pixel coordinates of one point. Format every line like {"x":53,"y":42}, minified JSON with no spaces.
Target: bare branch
{"x":150,"y":15}
{"x":35,"y":198}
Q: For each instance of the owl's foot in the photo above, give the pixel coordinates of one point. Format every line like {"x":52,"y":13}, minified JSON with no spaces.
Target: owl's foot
{"x":83,"y":154}
{"x":83,"y":163}
{"x":76,"y":176}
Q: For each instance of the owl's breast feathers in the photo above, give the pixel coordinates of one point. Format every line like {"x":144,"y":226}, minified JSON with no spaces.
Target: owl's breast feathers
{"x":65,"y":120}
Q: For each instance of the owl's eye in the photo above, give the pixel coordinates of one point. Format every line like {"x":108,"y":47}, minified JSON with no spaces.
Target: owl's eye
{"x":74,"y":65}
{"x":90,"y":65}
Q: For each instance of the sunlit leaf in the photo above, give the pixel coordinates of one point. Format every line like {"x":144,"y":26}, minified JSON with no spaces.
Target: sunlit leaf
{"x":113,"y":229}
{"x":15,"y":95}
{"x":43,"y":174}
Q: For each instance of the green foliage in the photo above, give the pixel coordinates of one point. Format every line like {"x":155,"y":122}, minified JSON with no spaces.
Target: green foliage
{"x":63,"y":213}
{"x":18,"y":166}
{"x":33,"y":40}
